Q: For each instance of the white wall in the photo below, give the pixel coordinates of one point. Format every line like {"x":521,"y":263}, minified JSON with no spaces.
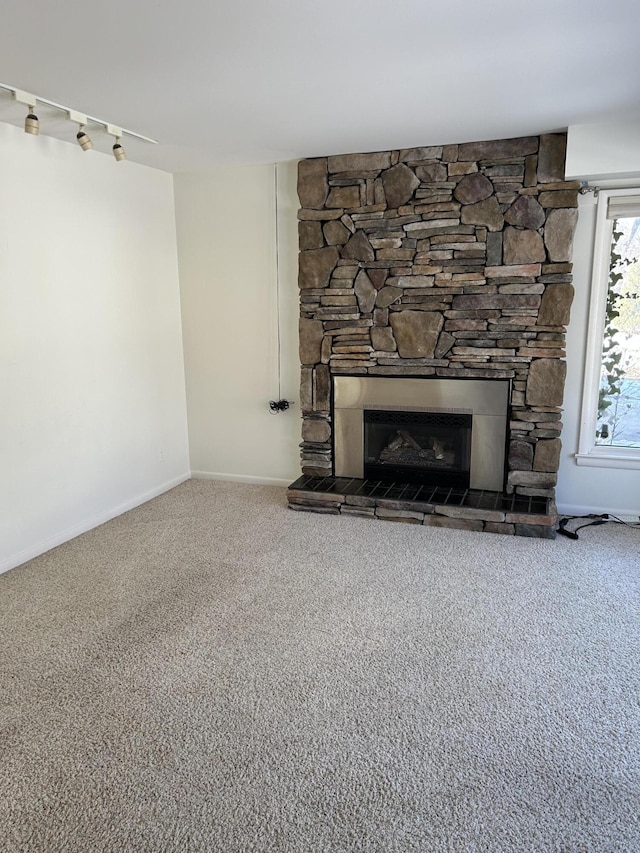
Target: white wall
{"x":585,"y":489}
{"x":603,"y":151}
{"x":226,"y":227}
{"x":92,"y":396}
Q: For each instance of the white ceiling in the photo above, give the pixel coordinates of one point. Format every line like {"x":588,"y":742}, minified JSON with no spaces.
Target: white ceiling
{"x":254,"y":81}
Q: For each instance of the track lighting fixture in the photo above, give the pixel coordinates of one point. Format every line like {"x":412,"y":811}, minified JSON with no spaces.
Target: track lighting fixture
{"x":118,"y":151}
{"x":32,"y":124}
{"x":83,"y":138}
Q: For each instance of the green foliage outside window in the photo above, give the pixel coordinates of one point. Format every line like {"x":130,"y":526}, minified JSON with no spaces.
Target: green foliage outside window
{"x":622,"y":320}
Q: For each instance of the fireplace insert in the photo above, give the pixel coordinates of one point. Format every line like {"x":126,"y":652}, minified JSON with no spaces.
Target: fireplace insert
{"x":461,"y":443}
{"x":417,"y":447}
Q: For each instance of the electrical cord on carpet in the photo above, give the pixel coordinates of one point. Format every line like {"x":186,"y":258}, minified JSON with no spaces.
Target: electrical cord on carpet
{"x":593,"y":521}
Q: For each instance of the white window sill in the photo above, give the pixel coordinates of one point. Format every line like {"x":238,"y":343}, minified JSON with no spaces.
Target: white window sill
{"x":610,"y":457}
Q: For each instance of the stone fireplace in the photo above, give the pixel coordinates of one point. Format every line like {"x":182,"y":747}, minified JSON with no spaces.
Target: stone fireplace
{"x":441,"y":266}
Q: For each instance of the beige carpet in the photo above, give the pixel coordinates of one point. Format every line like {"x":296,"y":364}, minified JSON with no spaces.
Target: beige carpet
{"x":213,"y":672}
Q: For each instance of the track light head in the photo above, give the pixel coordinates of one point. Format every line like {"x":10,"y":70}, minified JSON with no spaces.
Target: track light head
{"x":83,"y":139}
{"x":118,"y":151}
{"x":31,"y":123}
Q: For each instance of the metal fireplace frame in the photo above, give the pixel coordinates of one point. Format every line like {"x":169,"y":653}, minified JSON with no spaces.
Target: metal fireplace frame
{"x":487,"y":400}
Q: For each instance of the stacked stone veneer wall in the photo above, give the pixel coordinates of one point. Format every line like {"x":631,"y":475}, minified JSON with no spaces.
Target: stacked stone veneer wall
{"x":450,"y":260}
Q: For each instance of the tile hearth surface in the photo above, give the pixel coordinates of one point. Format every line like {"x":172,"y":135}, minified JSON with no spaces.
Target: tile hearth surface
{"x":435,"y":506}
{"x":478,"y":498}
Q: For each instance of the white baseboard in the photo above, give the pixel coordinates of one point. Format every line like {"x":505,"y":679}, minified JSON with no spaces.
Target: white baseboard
{"x":578,"y":509}
{"x":88,"y":524}
{"x":242,"y":478}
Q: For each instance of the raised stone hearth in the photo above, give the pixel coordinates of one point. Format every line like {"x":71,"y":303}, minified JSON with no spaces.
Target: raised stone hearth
{"x":445,"y":261}
{"x":465,"y":509}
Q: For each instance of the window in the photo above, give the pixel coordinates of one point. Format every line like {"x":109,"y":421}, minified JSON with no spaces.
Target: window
{"x":610,"y":427}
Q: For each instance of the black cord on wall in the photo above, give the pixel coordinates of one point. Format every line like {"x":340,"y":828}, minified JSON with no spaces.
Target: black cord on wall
{"x":279,"y":405}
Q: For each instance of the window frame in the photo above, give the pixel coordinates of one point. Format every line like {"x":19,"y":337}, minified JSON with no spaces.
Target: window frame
{"x":589,"y":453}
